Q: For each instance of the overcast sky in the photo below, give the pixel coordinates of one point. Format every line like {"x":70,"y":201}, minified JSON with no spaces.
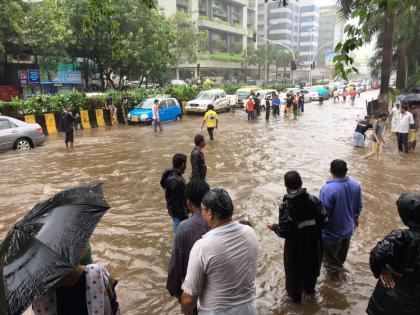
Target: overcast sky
{"x":321,"y":3}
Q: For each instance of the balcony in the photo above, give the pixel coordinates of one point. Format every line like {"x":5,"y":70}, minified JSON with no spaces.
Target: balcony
{"x":218,"y":25}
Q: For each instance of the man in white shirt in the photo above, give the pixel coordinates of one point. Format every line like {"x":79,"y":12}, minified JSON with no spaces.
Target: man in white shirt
{"x":403,"y":127}
{"x":394,"y":115}
{"x":223,"y":264}
{"x":156,"y":118}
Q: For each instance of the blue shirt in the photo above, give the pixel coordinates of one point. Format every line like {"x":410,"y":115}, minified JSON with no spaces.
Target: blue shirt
{"x":342,"y":198}
{"x":276,"y":101}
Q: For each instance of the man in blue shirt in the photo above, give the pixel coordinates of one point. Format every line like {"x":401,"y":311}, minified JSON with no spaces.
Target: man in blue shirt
{"x":341,"y":197}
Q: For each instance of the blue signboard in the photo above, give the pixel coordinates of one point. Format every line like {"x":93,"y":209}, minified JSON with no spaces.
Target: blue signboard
{"x":329,"y":56}
{"x":70,"y":77}
{"x":33,"y":76}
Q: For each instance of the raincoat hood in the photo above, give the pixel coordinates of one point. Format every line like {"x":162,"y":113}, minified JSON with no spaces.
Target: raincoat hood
{"x":166,"y":175}
{"x":297,"y":197}
{"x":409,"y":209}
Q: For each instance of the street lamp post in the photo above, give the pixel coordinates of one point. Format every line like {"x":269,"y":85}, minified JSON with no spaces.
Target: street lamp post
{"x":285,"y":46}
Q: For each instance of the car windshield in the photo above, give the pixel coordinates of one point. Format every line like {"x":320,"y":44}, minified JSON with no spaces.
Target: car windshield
{"x":205,"y":96}
{"x":242,"y":93}
{"x":147,"y":103}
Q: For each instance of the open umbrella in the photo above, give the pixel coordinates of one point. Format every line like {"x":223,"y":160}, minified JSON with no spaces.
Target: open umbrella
{"x":47,"y":244}
{"x":321,"y":91}
{"x":412,"y":97}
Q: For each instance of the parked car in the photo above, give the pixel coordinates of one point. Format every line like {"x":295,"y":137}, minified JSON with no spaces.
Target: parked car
{"x":19,"y":135}
{"x":309,"y":95}
{"x":216,"y":97}
{"x":261,"y":94}
{"x":321,"y":90}
{"x":243,"y":93}
{"x":169,"y":110}
{"x":179,"y":82}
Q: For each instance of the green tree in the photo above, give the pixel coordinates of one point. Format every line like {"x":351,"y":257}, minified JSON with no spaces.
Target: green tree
{"x":11,"y":15}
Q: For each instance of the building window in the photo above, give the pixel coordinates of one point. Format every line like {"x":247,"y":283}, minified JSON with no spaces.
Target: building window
{"x":236,"y":47}
{"x":307,"y":19}
{"x":281,"y":26}
{"x":280,"y":37}
{"x":182,"y":6}
{"x":219,"y":42}
{"x":281,"y":15}
{"x":220,"y":11}
{"x":237,"y":15}
{"x":309,"y":8}
{"x":202,"y":7}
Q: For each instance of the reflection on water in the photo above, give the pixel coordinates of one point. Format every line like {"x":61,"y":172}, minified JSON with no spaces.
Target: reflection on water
{"x":248,"y":159}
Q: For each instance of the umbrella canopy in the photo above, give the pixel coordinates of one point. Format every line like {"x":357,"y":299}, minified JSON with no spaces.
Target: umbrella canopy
{"x":412,"y":97}
{"x":321,"y":91}
{"x":47,"y":244}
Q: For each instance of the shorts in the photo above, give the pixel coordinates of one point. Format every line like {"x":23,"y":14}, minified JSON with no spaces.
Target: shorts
{"x":69,"y":137}
{"x":412,"y":135}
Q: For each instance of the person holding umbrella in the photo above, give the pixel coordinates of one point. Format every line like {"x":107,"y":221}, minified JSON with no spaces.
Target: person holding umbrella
{"x":40,"y":258}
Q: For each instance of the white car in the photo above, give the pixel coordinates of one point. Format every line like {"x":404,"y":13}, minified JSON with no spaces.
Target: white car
{"x":310,"y":95}
{"x":216,"y":97}
{"x":283,"y":95}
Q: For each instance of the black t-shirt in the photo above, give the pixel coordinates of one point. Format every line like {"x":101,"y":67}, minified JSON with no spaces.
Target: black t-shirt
{"x":289,"y":102}
{"x":71,"y":301}
{"x":363,"y":126}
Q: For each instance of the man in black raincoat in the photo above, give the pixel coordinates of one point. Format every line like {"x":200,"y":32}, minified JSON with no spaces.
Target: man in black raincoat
{"x":301,"y":220}
{"x":174,"y":185}
{"x":198,"y":162}
{"x":396,"y":262}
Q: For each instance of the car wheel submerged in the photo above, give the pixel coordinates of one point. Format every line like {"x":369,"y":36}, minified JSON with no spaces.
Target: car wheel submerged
{"x":23,"y":144}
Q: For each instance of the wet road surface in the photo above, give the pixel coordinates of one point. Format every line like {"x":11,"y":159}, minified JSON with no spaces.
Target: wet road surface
{"x":134,"y":239}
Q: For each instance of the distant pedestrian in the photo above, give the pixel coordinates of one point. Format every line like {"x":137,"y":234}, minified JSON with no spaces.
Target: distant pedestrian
{"x":109,"y":105}
{"x":211,"y":119}
{"x":403,"y":127}
{"x":250,"y":108}
{"x":198,"y":162}
{"x":267,"y":106}
{"x":223,"y":264}
{"x":342,"y":199}
{"x":156,"y":117}
{"x":344,"y":95}
{"x":352,"y":95}
{"x":276,"y":105}
{"x":395,"y":262}
{"x":377,"y":137}
{"x":395,"y":113}
{"x":302,"y":103}
{"x":414,"y":128}
{"x":189,"y":231}
{"x":336,"y":95}
{"x":301,"y":219}
{"x":174,"y":185}
{"x":67,"y":121}
{"x":257,"y":104}
{"x":289,"y":105}
{"x":359,"y":134}
{"x":295,"y":106}
{"x":125,"y":105}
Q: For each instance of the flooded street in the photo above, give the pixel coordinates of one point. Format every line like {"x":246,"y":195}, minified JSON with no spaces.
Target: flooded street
{"x":134,"y":239}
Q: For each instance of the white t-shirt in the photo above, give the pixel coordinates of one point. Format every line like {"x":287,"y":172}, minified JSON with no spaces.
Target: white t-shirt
{"x":335,"y":93}
{"x":404,"y":121}
{"x":222,"y":270}
{"x":155,"y":111}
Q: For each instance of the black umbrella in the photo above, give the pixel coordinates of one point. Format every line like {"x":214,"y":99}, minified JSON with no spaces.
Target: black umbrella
{"x":412,"y":97}
{"x":47,"y":244}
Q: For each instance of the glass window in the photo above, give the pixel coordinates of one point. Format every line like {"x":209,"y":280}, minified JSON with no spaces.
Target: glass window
{"x":217,"y":96}
{"x":171,"y":102}
{"x":4,"y":124}
{"x":223,"y":94}
{"x":162,"y":104}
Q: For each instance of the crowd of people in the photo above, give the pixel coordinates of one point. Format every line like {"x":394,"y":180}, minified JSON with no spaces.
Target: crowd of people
{"x":294,"y":104}
{"x":405,"y":122}
{"x":214,"y":259}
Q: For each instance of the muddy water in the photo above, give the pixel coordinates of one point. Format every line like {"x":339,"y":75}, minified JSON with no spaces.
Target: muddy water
{"x":248,"y":159}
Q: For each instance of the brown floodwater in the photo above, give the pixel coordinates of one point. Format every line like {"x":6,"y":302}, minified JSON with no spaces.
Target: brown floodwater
{"x":134,"y":238}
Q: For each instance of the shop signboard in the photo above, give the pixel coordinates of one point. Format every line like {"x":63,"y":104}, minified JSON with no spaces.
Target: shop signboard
{"x":23,"y":77}
{"x":49,"y":77}
{"x":70,"y":77}
{"x":33,"y":76}
{"x":329,"y":56}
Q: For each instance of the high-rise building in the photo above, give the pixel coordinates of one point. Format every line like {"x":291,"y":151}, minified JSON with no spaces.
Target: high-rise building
{"x":331,"y":31}
{"x":229,"y":24}
{"x":308,"y":31}
{"x":278,"y":24}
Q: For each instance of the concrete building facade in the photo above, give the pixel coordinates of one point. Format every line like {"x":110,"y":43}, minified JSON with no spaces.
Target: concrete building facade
{"x":308,"y":31}
{"x":229,"y":24}
{"x":331,"y":31}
